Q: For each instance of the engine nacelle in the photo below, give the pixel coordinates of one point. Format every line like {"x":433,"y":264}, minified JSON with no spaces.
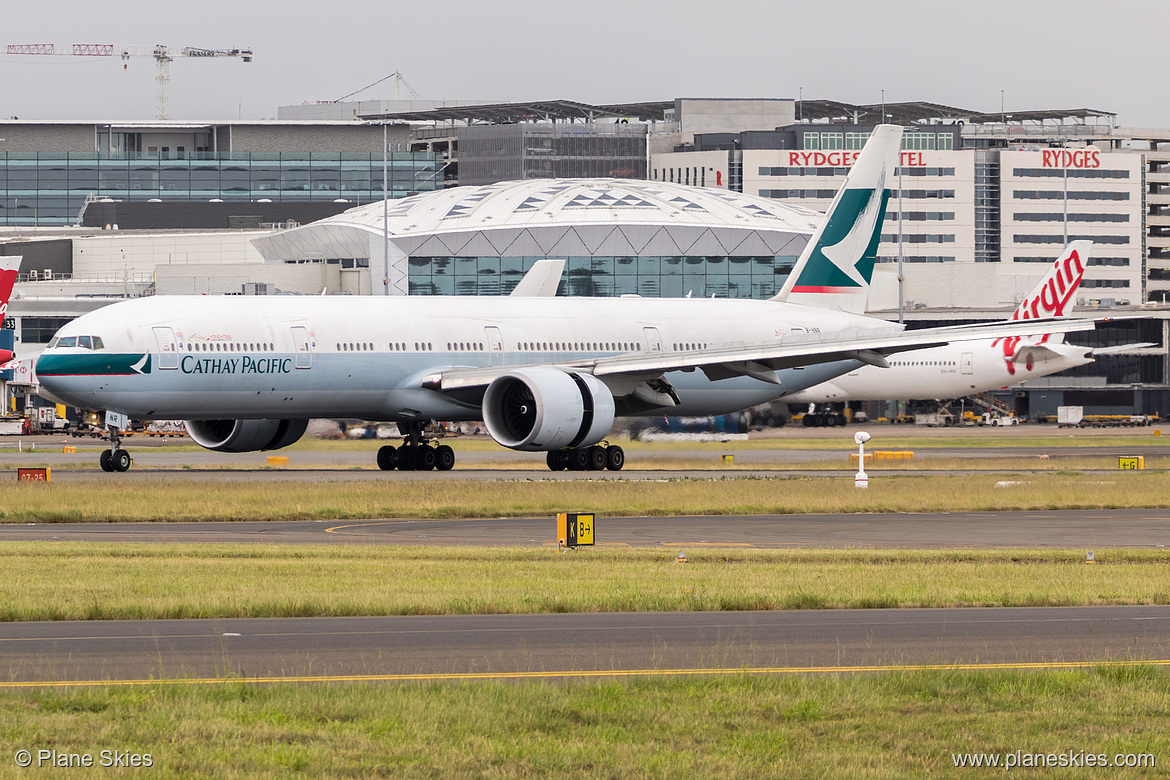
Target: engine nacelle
{"x":539,"y":409}
{"x":245,"y":435}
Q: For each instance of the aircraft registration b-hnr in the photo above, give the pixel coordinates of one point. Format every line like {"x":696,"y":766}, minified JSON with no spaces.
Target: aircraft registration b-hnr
{"x":544,"y":373}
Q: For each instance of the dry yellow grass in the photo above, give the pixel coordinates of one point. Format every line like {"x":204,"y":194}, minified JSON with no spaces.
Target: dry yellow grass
{"x":220,"y":499}
{"x":72,"y":581}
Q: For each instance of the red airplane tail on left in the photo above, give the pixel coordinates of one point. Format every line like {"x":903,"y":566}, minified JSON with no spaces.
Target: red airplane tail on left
{"x":9,"y":266}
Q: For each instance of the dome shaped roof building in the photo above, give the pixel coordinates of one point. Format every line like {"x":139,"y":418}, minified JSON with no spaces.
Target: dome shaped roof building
{"x":618,"y":236}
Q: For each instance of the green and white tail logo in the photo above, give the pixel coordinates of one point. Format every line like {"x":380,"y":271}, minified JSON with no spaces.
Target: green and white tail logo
{"x":836,"y":267}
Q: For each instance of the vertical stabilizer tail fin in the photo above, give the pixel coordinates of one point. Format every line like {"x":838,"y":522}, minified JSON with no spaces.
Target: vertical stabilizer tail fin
{"x":9,"y":266}
{"x":1055,"y":294}
{"x":836,"y":267}
{"x":542,"y":279}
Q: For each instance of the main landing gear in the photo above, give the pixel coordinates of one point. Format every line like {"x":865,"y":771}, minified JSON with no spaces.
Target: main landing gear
{"x":824,"y":420}
{"x":115,"y":458}
{"x":595,"y":458}
{"x":417,"y":453}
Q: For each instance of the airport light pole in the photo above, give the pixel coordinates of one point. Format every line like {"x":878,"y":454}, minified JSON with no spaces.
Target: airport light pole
{"x":861,"y":480}
{"x":901,"y":294}
{"x":385,"y":211}
{"x":1065,"y":202}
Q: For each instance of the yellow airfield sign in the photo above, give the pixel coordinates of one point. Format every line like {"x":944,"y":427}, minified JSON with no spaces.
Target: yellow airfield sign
{"x":574,"y":529}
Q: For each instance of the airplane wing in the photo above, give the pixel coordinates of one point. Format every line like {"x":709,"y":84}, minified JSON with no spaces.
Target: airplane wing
{"x":760,"y":361}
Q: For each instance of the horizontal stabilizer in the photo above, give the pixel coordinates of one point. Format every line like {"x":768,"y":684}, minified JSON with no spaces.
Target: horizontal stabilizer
{"x":1121,"y":348}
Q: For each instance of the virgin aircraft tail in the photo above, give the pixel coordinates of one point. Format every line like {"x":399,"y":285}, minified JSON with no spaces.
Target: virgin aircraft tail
{"x":1053,"y":296}
{"x":836,"y":266}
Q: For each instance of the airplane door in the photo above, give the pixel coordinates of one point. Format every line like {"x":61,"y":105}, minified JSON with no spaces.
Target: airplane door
{"x":965,"y":363}
{"x":653,"y":340}
{"x":304,"y":352}
{"x":495,"y":345}
{"x":168,"y":352}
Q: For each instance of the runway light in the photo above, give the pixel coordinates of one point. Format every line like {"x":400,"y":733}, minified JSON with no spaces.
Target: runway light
{"x":1089,"y":557}
{"x":682,"y":557}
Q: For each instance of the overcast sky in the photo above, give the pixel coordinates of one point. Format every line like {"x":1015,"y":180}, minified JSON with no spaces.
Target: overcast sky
{"x":1043,"y":55}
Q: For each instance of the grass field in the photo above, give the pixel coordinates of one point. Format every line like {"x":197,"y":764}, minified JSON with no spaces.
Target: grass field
{"x":91,"y":581}
{"x":160,"y":499}
{"x":896,"y":725}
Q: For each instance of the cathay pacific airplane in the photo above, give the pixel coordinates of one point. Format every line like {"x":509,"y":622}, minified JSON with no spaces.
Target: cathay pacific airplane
{"x":961,"y":369}
{"x":544,"y":373}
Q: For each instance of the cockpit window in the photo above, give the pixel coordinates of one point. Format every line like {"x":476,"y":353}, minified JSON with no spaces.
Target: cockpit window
{"x":82,"y":342}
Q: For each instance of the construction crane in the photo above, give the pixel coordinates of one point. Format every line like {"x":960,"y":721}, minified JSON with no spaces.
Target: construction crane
{"x":162,"y":57}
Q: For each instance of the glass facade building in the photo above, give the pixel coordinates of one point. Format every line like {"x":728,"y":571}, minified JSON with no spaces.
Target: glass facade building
{"x":45,"y":189}
{"x":601,"y":276}
{"x":493,"y":153}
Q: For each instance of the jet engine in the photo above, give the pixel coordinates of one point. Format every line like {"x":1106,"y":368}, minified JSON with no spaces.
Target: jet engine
{"x":245,"y":435}
{"x":538,"y":409}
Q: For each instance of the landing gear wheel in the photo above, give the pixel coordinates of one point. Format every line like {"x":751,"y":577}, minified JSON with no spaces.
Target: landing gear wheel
{"x":121,"y":460}
{"x":578,"y":460}
{"x":407,"y":457}
{"x":615,"y":458}
{"x":444,"y":458}
{"x":809,"y":421}
{"x":387,"y":458}
{"x":556,"y":460}
{"x":426,"y":458}
{"x":105,"y":461}
{"x":596,"y":457}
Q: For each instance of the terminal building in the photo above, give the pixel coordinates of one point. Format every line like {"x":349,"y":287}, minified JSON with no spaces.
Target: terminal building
{"x":50,"y":171}
{"x":963,"y":216}
{"x":619,"y":237}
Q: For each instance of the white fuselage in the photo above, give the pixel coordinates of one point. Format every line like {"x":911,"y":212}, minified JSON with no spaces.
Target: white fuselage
{"x":944,"y":373}
{"x":369,"y":357}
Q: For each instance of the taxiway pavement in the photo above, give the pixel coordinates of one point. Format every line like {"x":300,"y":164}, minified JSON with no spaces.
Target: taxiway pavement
{"x":536,"y":646}
{"x":1088,"y":529}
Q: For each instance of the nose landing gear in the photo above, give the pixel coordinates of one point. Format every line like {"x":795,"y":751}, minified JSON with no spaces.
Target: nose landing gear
{"x":115,"y":458}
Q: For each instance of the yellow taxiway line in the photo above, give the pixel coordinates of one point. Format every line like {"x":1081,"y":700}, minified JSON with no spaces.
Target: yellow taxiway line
{"x":590,"y":674}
